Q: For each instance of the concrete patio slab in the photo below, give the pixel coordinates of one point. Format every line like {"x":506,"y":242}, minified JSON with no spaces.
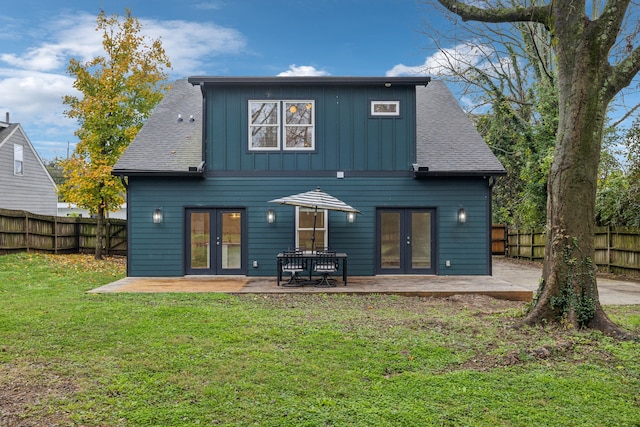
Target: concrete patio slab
{"x":511,"y":280}
{"x":427,"y":286}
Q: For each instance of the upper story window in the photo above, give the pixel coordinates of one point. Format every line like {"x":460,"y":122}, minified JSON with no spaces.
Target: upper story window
{"x":18,"y":159}
{"x":282,"y":125}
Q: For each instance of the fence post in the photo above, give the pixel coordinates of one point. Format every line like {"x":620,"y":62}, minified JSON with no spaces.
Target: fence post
{"x":531,"y":240}
{"x":78,"y":228}
{"x":107,"y":231}
{"x":55,"y":235}
{"x":609,"y":248}
{"x":26,"y":231}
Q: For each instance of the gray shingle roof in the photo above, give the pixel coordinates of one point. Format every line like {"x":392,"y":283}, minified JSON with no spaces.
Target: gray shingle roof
{"x":5,"y":131}
{"x":447,"y":140}
{"x":165,"y":143}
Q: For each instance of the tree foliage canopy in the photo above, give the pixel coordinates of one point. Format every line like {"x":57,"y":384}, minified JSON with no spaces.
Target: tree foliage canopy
{"x":508,"y":71}
{"x":118,"y":92}
{"x":618,"y":197}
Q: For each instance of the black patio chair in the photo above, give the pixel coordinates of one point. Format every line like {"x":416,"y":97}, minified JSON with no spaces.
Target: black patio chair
{"x":294,"y":263}
{"x":326,"y":263}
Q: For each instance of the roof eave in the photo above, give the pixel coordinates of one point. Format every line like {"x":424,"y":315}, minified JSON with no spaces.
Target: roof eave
{"x":140,"y":172}
{"x":312,"y":80}
{"x":426,"y":174}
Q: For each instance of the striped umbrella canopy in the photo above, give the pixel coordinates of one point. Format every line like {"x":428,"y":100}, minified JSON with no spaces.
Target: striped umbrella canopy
{"x":316,"y":199}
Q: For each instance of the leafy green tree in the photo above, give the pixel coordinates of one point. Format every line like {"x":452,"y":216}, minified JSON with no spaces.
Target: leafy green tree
{"x":587,"y":83}
{"x":511,"y":70}
{"x":119,"y":91}
{"x":618,"y":197}
{"x":612,"y":196}
{"x":54,"y":168}
{"x":612,"y":199}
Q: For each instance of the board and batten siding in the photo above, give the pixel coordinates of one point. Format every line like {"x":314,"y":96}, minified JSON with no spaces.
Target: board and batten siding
{"x":34,"y":191}
{"x":346,"y":138}
{"x":158,"y":249}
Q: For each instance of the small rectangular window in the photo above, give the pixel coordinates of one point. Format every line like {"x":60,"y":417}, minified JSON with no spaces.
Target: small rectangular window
{"x":18,"y":159}
{"x":385,"y":109}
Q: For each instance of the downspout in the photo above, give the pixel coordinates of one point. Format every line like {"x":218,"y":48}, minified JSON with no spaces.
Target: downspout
{"x":492,"y":183}
{"x":204,"y":127}
{"x":125,"y":184}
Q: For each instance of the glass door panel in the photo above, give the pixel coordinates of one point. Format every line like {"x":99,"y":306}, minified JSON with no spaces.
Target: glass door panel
{"x":420,"y":240}
{"x":390,"y":240}
{"x":231,"y":227}
{"x":200,"y":237}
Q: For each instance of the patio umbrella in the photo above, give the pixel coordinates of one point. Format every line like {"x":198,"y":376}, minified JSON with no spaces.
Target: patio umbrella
{"x":315,"y":199}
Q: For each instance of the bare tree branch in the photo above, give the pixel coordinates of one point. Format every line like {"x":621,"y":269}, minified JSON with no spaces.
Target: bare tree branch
{"x":540,"y":14}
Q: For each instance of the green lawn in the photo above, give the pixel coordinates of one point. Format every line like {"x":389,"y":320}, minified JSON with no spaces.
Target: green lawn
{"x":72,"y":358}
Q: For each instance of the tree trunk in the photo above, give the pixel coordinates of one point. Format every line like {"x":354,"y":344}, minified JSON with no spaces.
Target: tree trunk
{"x":587,"y":83}
{"x":99,"y":232}
{"x":568,"y":292}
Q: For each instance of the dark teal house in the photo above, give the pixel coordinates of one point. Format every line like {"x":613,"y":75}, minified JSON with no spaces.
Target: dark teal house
{"x":201,"y":172}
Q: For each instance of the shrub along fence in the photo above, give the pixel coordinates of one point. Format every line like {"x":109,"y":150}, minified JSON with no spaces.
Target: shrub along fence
{"x":617,"y":249}
{"x":22,"y":231}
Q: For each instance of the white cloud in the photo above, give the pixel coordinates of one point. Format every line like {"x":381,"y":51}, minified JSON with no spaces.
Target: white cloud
{"x":30,"y":93}
{"x":190,"y":44}
{"x":443,"y":62}
{"x":69,"y":36}
{"x":34,"y":80}
{"x":35,"y":100}
{"x":210,"y":5}
{"x":303,"y":71}
{"x":187,"y":44}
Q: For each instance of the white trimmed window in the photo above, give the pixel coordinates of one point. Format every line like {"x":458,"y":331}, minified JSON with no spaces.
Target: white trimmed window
{"x":281,"y":125}
{"x":304,"y":229}
{"x":18,"y":159}
{"x":264,"y":125}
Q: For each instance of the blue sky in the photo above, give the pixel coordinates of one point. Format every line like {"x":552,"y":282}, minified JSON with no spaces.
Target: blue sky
{"x":201,"y":37}
{"x":211,"y":37}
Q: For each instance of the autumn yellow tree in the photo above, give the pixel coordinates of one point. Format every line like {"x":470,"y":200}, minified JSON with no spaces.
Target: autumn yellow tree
{"x":119,"y":91}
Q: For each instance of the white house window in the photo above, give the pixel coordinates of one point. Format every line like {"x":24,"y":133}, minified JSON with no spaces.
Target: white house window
{"x":264,"y":125}
{"x":298,"y":125}
{"x":18,"y":159}
{"x":305,"y":227}
{"x":291,"y":121}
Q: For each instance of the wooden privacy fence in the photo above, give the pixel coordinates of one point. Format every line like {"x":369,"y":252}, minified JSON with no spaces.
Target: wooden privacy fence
{"x":499,"y":239}
{"x":617,"y":249}
{"x":23,"y":231}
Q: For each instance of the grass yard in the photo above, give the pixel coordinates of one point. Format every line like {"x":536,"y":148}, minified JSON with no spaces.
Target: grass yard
{"x":68,"y":358}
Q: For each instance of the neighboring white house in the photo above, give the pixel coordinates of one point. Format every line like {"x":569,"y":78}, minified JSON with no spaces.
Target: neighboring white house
{"x":25,"y":183}
{"x":70,"y":209}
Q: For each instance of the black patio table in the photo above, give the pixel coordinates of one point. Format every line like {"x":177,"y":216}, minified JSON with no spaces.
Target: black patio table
{"x":310,"y":257}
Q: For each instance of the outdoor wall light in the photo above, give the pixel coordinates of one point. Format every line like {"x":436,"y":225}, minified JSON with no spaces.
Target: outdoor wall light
{"x":462,"y":216}
{"x":271,"y":216}
{"x":351,"y":217}
{"x":157,"y":215}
